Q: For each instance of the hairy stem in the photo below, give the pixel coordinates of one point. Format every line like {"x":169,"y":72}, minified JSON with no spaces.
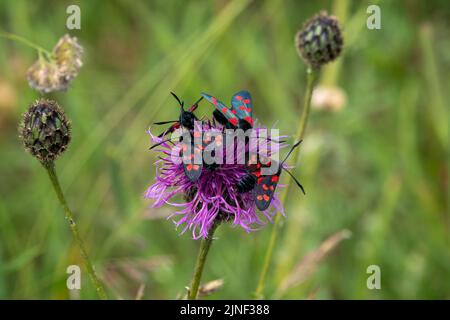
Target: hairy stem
{"x":73,"y":227}
{"x":310,"y":80}
{"x":200,"y":264}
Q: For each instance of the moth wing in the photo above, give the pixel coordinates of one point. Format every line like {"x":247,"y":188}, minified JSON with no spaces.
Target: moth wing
{"x":242,"y":106}
{"x":265,"y":189}
{"x":222,"y":108}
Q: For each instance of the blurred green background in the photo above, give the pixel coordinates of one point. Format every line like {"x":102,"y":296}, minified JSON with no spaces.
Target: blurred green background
{"x":374,"y":164}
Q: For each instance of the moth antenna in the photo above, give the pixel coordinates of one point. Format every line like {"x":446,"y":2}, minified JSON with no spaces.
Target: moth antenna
{"x":277,"y":141}
{"x":160,"y":143}
{"x":290,"y":151}
{"x":198,"y":101}
{"x":165,"y":122}
{"x":178,"y":99}
{"x":296,"y":181}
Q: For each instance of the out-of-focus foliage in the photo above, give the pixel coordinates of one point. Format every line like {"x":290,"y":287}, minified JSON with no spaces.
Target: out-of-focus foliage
{"x":377,"y":167}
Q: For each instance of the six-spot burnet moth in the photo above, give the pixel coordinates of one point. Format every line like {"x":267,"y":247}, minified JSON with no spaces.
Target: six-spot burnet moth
{"x":186,"y":118}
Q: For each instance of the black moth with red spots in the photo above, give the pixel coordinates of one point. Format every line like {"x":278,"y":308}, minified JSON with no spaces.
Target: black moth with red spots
{"x":185,"y":120}
{"x":240,"y":114}
{"x":266,"y":185}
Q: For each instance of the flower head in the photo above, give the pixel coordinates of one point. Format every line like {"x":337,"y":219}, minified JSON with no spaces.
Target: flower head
{"x":213,"y":197}
{"x":320,"y":40}
{"x":45,"y":130}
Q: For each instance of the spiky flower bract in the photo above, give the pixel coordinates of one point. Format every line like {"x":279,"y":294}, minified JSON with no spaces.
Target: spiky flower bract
{"x":320,"y":40}
{"x":213,"y":197}
{"x":45,"y":130}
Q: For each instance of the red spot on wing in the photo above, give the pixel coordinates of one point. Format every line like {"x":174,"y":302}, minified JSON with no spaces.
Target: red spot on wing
{"x":249,"y":120}
{"x":238,"y":98}
{"x":234,"y":111}
{"x":189,"y":167}
{"x":246,"y":100}
{"x":244,"y":108}
{"x":233,"y":121}
{"x":274,"y":178}
{"x":224,"y":109}
{"x":259,"y":197}
{"x":265,"y":187}
{"x":214,"y":101}
{"x":266,"y":197}
{"x":195,"y":167}
{"x":260,"y":179}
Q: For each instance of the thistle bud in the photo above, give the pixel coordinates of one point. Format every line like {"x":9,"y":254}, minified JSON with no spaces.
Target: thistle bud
{"x":320,"y":40}
{"x":45,"y":130}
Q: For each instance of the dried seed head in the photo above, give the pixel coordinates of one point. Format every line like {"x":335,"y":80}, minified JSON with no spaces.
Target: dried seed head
{"x":328,"y":98}
{"x":54,"y":73}
{"x":45,"y":77}
{"x":320,"y":40}
{"x":210,"y":287}
{"x":67,"y":54}
{"x":45,"y":130}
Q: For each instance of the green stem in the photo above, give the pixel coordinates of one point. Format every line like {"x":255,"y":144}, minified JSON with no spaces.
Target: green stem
{"x":310,"y":80}
{"x":69,"y":216}
{"x":26,"y":42}
{"x":200,"y":264}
